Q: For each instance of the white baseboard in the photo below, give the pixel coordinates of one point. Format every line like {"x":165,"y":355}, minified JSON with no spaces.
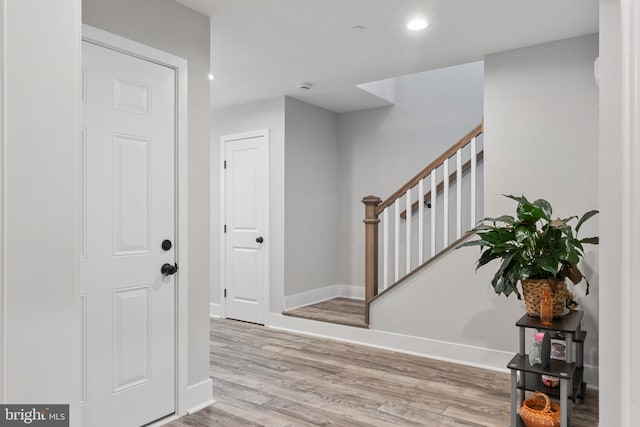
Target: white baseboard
{"x":322,"y":294}
{"x":463,"y":354}
{"x":215,"y":310}
{"x":199,"y":396}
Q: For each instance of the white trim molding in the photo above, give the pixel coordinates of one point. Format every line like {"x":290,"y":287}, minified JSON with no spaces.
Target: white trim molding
{"x":629,"y":295}
{"x":184,"y":393}
{"x":215,"y":310}
{"x":323,"y":294}
{"x":199,"y":396}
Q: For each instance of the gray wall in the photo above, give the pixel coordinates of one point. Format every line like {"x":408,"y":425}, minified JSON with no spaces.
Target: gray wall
{"x":267,"y":114}
{"x":380,"y":149}
{"x":541,"y":139}
{"x":173,"y":28}
{"x":311,"y":202}
{"x":541,"y":117}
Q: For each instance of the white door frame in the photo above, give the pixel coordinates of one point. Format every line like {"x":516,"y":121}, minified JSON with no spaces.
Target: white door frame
{"x":223,"y":220}
{"x":129,"y":47}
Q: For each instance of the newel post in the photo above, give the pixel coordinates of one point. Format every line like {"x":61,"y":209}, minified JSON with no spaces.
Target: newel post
{"x":371,"y":221}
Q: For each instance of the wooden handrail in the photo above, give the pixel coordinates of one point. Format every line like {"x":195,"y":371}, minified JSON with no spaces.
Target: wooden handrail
{"x":440,"y":186}
{"x":432,"y":166}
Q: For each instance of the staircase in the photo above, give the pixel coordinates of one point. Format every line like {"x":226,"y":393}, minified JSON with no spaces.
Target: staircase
{"x":424,"y":218}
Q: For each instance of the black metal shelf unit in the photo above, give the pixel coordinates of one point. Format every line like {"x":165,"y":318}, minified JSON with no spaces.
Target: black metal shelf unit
{"x":525,"y":377}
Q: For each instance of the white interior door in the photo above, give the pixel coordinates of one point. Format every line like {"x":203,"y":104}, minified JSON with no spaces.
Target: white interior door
{"x":127,"y":200}
{"x":246,"y":214}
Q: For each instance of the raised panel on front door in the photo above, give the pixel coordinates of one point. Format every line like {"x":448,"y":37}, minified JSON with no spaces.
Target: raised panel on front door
{"x":132,"y":198}
{"x":245,"y":287}
{"x":245,"y":193}
{"x":132,"y":97}
{"x":82,"y":167}
{"x":131,"y":358}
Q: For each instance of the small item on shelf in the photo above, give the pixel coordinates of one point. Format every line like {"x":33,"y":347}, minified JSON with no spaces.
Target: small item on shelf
{"x":535,"y":354}
{"x":540,"y":411}
{"x":558,"y":353}
{"x":546,"y":307}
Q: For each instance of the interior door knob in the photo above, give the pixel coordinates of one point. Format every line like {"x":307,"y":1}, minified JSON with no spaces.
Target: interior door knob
{"x":168,"y":269}
{"x":259,"y":239}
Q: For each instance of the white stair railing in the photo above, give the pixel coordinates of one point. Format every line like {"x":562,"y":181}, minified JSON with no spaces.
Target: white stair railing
{"x":427,"y":219}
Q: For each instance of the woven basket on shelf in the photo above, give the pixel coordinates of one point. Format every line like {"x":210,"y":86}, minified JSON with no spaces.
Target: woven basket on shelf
{"x":539,"y":411}
{"x":532,"y":292}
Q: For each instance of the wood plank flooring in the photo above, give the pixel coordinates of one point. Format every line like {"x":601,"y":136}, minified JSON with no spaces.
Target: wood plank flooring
{"x":344,"y":311}
{"x":264,"y":377}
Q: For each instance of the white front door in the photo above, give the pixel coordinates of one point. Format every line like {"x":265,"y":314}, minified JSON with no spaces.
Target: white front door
{"x":127,"y":202}
{"x":246,"y":215}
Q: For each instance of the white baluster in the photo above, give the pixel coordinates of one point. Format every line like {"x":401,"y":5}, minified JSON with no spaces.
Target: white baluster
{"x":459,"y":193}
{"x":396,"y":240}
{"x":408,"y":232}
{"x":445,"y":218}
{"x":434,"y":195}
{"x":473,"y":182}
{"x":420,"y":221}
{"x":385,"y":248}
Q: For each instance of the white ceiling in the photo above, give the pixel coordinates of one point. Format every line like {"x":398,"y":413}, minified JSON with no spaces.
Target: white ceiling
{"x":264,"y":48}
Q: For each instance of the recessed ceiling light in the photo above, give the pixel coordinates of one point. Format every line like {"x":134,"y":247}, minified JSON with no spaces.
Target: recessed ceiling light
{"x":417,"y":24}
{"x":211,"y":76}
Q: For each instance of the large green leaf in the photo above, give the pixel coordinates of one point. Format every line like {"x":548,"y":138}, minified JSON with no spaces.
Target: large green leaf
{"x":549,"y":263}
{"x":591,"y":240}
{"x":498,"y":235}
{"x":505,"y":263}
{"x":584,"y":218}
{"x":563,"y":249}
{"x":486,"y":257}
{"x":523,"y":232}
{"x":529,"y":213}
{"x":545,"y":207}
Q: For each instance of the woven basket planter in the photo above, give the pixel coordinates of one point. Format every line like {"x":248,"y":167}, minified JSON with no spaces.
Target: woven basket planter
{"x":532,"y":291}
{"x":539,"y":411}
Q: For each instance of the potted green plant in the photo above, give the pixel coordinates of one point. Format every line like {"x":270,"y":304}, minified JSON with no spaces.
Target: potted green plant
{"x":535,"y":250}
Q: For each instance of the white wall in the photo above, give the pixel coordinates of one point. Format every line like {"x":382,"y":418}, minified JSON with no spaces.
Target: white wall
{"x":173,"y":28}
{"x":268,"y":114}
{"x":380,"y":149}
{"x":311,"y":202}
{"x":541,"y":135}
{"x":40,"y":138}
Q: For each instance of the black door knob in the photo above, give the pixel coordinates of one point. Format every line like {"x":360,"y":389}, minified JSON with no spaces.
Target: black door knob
{"x":168,"y":269}
{"x":260,"y":239}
